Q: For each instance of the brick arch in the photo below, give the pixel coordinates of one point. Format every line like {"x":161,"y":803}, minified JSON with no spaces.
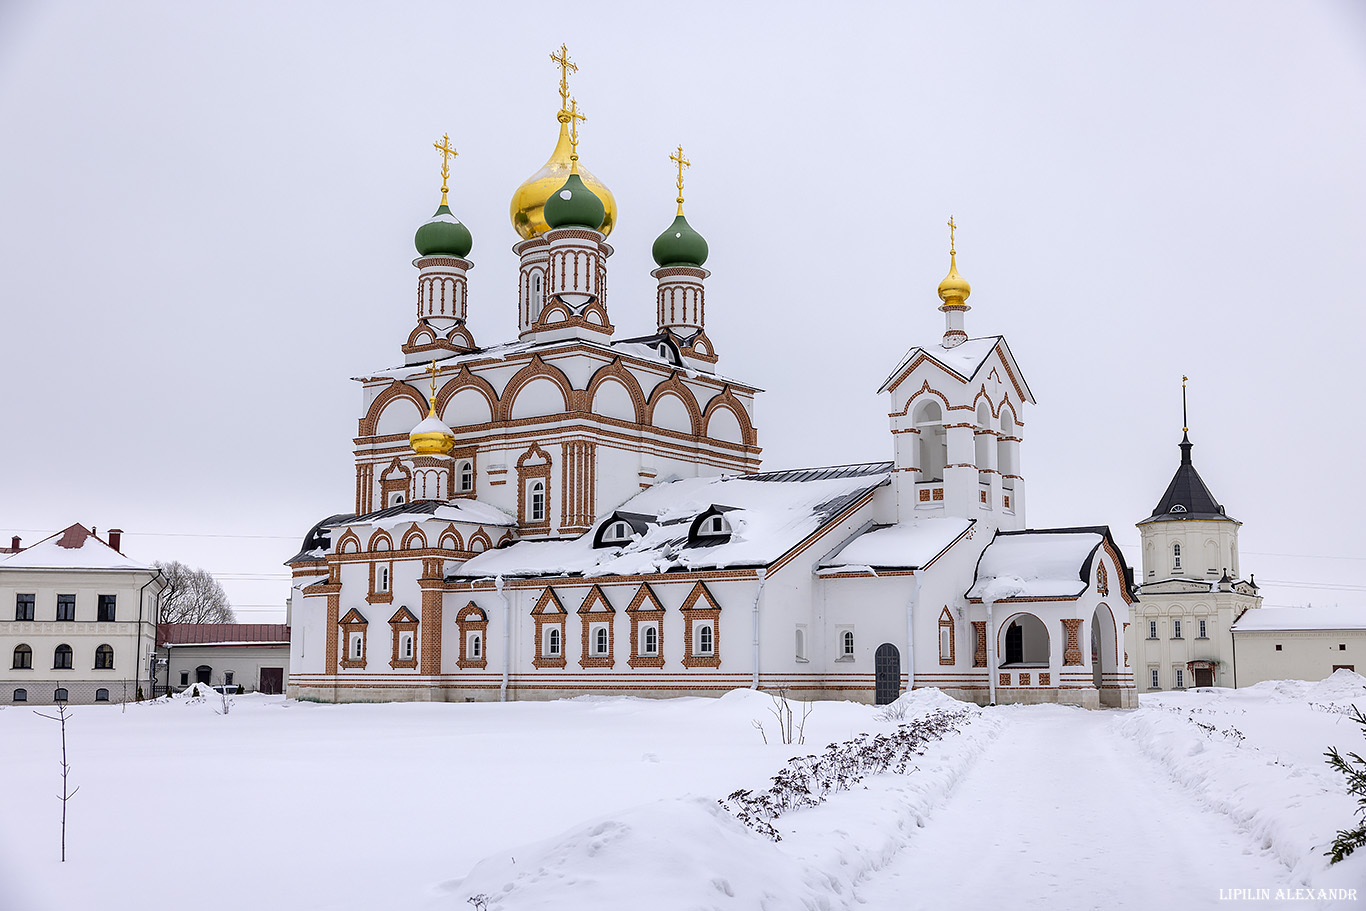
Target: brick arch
{"x":616,"y":371}
{"x":507,"y":536}
{"x":451,"y":540}
{"x":395,"y":390}
{"x":924,"y":389}
{"x":982,"y":394}
{"x":727,"y":399}
{"x":378,"y":536}
{"x":466,"y":380}
{"x":414,"y":532}
{"x":537,"y":368}
{"x":471,"y":613}
{"x":349,"y":538}
{"x":1003,"y":407}
{"x":675,"y":386}
{"x":480,"y":535}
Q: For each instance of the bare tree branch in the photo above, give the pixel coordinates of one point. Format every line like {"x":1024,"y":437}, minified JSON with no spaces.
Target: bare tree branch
{"x":193,"y":596}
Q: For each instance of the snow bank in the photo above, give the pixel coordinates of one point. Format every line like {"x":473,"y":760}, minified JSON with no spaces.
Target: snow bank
{"x":691,"y":854}
{"x":1256,"y":755}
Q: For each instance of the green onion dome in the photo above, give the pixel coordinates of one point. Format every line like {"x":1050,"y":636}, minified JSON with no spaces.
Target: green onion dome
{"x":680,"y":245}
{"x":444,"y":235}
{"x":574,"y":205}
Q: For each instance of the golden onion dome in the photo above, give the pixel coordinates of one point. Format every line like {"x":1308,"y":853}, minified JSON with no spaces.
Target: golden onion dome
{"x":954,"y":289}
{"x":431,"y":436}
{"x":528,"y":203}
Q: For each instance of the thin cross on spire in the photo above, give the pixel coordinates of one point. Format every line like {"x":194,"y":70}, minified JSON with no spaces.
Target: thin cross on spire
{"x":575,"y":116}
{"x":678,"y":159}
{"x":432,"y":399}
{"x":447,"y":153}
{"x":1185,"y":428}
{"x":952,"y":228}
{"x":567,"y":66}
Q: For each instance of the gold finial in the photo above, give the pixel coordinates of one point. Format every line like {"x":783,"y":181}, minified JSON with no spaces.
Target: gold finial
{"x":952,"y":228}
{"x":1184,"y":420}
{"x":682,"y":163}
{"x":432,"y":398}
{"x":575,"y":116}
{"x":447,"y":153}
{"x":567,"y":66}
{"x":954,"y":289}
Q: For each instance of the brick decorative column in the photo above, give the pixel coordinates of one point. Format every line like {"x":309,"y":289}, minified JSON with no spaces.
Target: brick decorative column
{"x":432,"y":585}
{"x":1071,"y":656}
{"x":979,"y":647}
{"x":1126,"y":645}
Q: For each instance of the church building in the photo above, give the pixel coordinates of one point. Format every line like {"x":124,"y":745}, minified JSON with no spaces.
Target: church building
{"x":574,"y":511}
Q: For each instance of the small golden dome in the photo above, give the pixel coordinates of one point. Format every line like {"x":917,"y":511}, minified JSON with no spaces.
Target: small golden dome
{"x":431,"y":436}
{"x":528,"y":203}
{"x":954,"y":289}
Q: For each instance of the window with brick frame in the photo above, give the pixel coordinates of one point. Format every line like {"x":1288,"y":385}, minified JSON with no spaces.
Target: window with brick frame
{"x":403,"y":636}
{"x":353,"y":629}
{"x":597,"y":618}
{"x":472,"y":624}
{"x":646,"y":613}
{"x":947,"y":646}
{"x":701,"y":628}
{"x":23,"y":606}
{"x":549,"y":616}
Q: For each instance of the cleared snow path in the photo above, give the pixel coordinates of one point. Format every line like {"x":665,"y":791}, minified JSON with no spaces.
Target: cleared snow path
{"x":1062,"y":812}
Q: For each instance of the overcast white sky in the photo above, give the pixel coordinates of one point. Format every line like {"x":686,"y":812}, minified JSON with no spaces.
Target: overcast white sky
{"x":206,"y":220}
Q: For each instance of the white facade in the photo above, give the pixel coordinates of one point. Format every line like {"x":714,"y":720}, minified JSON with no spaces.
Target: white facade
{"x":1299,"y":643}
{"x":78,"y":623}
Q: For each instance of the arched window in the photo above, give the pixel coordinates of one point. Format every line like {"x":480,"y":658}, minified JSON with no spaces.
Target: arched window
{"x":536,"y":502}
{"x":847,"y":643}
{"x":59,"y":694}
{"x":600,"y":641}
{"x":104,"y":657}
{"x":651,"y":640}
{"x":552,"y":643}
{"x":1176,"y":558}
{"x":405,"y":646}
{"x":617,"y":533}
{"x":23,"y":657}
{"x":397,"y":499}
{"x":382,"y":579}
{"x":101,"y":695}
{"x":21,"y":695}
{"x":357,"y":647}
{"x":706,"y":639}
{"x":61,"y":656}
{"x":465,"y":474}
{"x":476,"y":646}
{"x":801,"y":644}
{"x":933,"y":445}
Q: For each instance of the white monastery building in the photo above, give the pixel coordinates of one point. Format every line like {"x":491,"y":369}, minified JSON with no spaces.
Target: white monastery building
{"x":82,"y":620}
{"x":573,"y":512}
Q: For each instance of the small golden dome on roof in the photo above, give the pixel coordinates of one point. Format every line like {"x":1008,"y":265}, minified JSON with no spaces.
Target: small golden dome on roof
{"x":431,"y":436}
{"x":954,"y":289}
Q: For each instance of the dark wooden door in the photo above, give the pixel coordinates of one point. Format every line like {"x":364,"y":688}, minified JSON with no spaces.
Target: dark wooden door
{"x":1204,"y":676}
{"x":272,"y":680}
{"x":203,"y":673}
{"x":887,"y":671}
{"x":1015,"y":644}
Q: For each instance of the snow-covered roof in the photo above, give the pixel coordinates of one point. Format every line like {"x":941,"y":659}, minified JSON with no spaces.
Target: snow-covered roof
{"x":468,"y":511}
{"x":1037,"y":564}
{"x":906,"y":545}
{"x":75,"y":547}
{"x":964,"y":359}
{"x":768,"y":514}
{"x":1276,"y":619}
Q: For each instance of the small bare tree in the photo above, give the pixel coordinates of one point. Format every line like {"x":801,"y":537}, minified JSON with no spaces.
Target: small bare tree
{"x":782,"y":710}
{"x":223,"y":692}
{"x":66,"y":795}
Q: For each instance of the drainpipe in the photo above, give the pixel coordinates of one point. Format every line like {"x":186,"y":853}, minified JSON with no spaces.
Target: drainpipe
{"x":911,"y":603}
{"x":991,"y":649}
{"x":507,"y":638}
{"x":762,"y":576}
{"x":137,"y":662}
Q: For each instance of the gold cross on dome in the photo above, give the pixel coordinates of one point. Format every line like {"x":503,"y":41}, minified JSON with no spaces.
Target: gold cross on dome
{"x":682,"y":163}
{"x":432,"y":370}
{"x":952,"y":227}
{"x":447,"y":153}
{"x":575,"y":115}
{"x":567,"y":66}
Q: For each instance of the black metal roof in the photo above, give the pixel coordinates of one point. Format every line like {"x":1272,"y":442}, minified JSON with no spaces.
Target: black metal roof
{"x":1187,"y":497}
{"x":821,"y":474}
{"x":319,"y":536}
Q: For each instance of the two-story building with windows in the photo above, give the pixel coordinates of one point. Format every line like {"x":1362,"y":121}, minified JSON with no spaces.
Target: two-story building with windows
{"x":77,"y":621}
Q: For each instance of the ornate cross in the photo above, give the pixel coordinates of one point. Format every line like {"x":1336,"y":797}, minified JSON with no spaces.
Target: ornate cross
{"x":952,"y":227}
{"x":567,"y":66}
{"x":682,"y":163}
{"x":575,"y":115}
{"x":447,"y":153}
{"x":432,"y":370}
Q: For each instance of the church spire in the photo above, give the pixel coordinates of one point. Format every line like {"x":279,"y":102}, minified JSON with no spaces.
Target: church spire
{"x":953,"y":292}
{"x":1186,"y":444}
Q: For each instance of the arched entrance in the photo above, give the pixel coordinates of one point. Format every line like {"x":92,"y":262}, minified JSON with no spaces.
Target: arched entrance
{"x":887,"y":671}
{"x":1024,"y":642}
{"x":1105,"y":655}
{"x":203,"y":673}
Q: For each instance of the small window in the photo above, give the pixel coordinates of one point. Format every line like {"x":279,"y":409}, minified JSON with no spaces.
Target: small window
{"x":1152,"y":680}
{"x":357,"y":646}
{"x":706,"y":639}
{"x":847,"y":643}
{"x":1177,"y":508}
{"x":61,"y":657}
{"x":105,"y":609}
{"x":476,"y":646}
{"x":1176,"y":629}
{"x":1176,"y":557}
{"x":382,"y":579}
{"x":801,"y":644}
{"x":1342,"y":646}
{"x":536,"y":502}
{"x":651,"y":641}
{"x":1202,"y":630}
{"x":945,"y":642}
{"x":1278,"y":646}
{"x":1152,"y":629}
{"x":617,"y":533}
{"x":227,"y":678}
{"x":466,"y":476}
{"x":405,"y":646}
{"x":397,"y":499}
{"x":21,"y":695}
{"x":552,"y":643}
{"x":101,"y":695}
{"x":600,"y":641}
{"x":59,"y":694}
{"x":66,"y":607}
{"x":23,"y":607}
{"x":23,"y":657}
{"x":715,"y":525}
{"x":104,"y":658}
{"x":184,"y":678}
{"x":1180,"y":674}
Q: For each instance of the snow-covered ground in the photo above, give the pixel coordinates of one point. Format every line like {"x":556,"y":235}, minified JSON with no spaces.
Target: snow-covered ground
{"x":599,"y":803}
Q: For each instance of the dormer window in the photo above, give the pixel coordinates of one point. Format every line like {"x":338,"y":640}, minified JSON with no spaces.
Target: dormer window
{"x":710,"y":528}
{"x":1177,"y":508}
{"x":618,"y":532}
{"x":714,"y":525}
{"x":621,"y":528}
{"x":397,"y":499}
